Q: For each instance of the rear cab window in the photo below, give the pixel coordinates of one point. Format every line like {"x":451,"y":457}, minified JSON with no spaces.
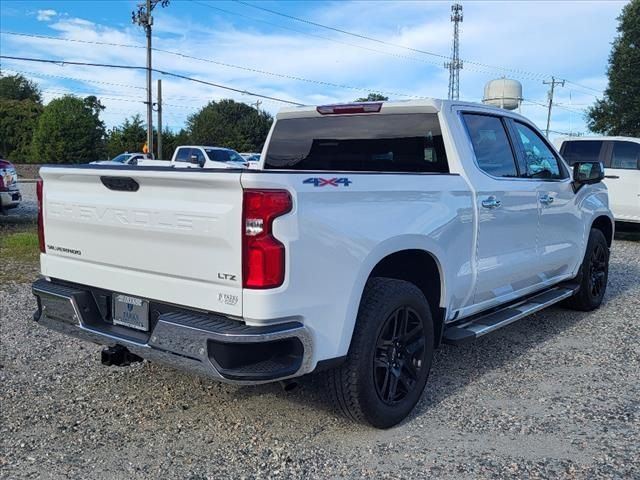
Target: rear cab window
{"x":582,"y":151}
{"x":359,"y":143}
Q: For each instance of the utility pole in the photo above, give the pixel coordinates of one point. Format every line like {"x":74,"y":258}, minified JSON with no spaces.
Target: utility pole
{"x":144,"y":18}
{"x":455,"y":65}
{"x":159,"y":119}
{"x":553,"y":84}
{"x":257,"y":105}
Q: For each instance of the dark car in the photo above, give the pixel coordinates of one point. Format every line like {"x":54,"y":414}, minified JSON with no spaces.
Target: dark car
{"x":9,"y":192}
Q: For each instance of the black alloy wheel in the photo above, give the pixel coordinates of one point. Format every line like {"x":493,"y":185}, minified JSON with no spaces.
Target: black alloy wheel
{"x":594,"y":274}
{"x":399,"y":355}
{"x":597,"y":270}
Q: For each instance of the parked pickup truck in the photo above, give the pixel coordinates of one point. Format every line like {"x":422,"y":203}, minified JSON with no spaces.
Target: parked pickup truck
{"x":199,"y":156}
{"x":372,"y":233}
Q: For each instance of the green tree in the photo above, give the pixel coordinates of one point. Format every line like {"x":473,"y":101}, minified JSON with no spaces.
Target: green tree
{"x":372,"y":97}
{"x":18,"y":119}
{"x":229,"y":124}
{"x":69,"y":131}
{"x":128,"y":137}
{"x":17,"y":87}
{"x":20,"y":107}
{"x":618,"y":113}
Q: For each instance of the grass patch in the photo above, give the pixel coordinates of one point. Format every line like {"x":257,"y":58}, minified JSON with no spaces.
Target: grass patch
{"x":19,"y":255}
{"x":20,"y":246}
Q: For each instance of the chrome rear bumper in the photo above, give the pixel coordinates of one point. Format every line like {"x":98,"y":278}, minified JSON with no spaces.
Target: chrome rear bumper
{"x":205,"y":344}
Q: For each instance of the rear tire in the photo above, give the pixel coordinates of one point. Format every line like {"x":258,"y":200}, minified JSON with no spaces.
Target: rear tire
{"x":594,"y":276}
{"x":389,"y":358}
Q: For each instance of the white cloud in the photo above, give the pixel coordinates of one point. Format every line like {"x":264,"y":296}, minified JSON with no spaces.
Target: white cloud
{"x":572,"y":43}
{"x":45,"y":15}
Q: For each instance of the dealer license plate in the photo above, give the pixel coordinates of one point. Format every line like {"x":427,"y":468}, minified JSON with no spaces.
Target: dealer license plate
{"x":131,"y":312}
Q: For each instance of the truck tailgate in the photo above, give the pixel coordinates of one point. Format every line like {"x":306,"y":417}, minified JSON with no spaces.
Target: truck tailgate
{"x":175,"y":238}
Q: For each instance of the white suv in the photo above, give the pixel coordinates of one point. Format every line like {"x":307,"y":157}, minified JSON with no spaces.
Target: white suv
{"x":621,"y":159}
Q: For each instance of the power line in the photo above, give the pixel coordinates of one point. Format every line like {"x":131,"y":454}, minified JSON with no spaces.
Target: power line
{"x":216,"y":62}
{"x":584,"y":86}
{"x":558,"y":105}
{"x":39,"y":74}
{"x":533,"y":75}
{"x":254,"y":19}
{"x":384,"y":42}
{"x":251,"y":69}
{"x":84,"y":80}
{"x":162,"y":72}
{"x":362,"y":47}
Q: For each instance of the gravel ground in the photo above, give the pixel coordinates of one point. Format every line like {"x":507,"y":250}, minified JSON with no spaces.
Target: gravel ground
{"x":556,"y":395}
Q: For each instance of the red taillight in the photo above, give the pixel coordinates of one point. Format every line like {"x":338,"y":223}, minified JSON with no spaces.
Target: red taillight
{"x":262,"y":254}
{"x":349,"y":108}
{"x":39,"y":192}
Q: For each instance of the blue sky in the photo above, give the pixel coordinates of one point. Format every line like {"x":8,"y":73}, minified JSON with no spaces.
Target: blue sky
{"x":528,"y":41}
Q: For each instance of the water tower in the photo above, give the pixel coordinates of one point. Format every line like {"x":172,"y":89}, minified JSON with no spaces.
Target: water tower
{"x":504,"y":93}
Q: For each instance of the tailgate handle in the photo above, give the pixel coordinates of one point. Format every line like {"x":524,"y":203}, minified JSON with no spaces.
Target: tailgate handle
{"x":123,"y":184}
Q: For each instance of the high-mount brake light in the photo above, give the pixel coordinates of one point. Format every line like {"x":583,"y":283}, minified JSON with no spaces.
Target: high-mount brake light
{"x":263,"y":256}
{"x":39,"y":194}
{"x":347,"y":108}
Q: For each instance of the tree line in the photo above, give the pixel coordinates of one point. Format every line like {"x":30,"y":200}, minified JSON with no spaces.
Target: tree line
{"x":69,"y":128}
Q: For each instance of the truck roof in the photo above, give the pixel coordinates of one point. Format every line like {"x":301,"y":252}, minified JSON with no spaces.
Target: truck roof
{"x":602,"y":138}
{"x":427,"y":105}
{"x":204,"y":146}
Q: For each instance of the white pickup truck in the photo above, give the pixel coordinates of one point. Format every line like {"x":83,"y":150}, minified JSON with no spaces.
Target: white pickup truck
{"x":200,"y":156}
{"x":371,"y":234}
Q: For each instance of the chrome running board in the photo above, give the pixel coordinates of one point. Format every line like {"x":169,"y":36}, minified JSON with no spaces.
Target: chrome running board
{"x":470,"y":329}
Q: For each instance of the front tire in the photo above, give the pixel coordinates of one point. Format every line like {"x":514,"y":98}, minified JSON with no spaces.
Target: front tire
{"x":594,"y":276}
{"x":389,"y":358}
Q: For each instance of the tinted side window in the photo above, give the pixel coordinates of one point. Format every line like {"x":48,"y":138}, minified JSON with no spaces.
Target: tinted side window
{"x":626,"y":155}
{"x":183,"y":155}
{"x":491,"y":145}
{"x":581,"y":151}
{"x":537,"y":160}
{"x":215,"y":155}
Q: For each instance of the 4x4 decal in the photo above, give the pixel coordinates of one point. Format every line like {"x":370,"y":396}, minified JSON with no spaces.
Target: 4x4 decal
{"x":323,"y":182}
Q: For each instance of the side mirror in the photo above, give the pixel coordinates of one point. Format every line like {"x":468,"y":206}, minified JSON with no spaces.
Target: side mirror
{"x":197,"y":161}
{"x":587,"y":173}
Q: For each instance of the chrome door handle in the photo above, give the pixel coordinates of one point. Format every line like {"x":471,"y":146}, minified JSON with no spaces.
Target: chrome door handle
{"x":491,"y":202}
{"x":546,"y":199}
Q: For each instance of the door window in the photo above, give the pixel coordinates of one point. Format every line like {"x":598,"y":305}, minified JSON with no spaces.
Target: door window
{"x":491,"y":145}
{"x":183,"y":155}
{"x":625,"y":155}
{"x":537,"y":160}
